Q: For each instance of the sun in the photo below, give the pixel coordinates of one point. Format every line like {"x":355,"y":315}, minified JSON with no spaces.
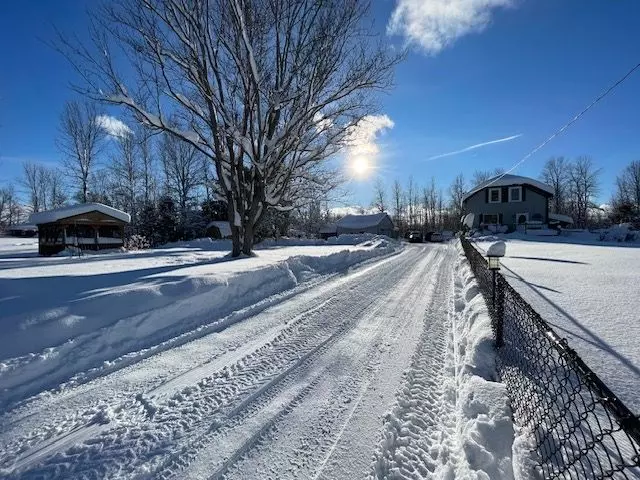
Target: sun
{"x":360,"y":166}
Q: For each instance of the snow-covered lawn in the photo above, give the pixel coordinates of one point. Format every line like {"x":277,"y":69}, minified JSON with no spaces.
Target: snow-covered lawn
{"x":60,"y":316}
{"x":589,"y":291}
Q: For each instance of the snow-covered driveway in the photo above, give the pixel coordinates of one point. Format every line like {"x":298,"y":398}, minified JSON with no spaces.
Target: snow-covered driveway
{"x":298,"y":390}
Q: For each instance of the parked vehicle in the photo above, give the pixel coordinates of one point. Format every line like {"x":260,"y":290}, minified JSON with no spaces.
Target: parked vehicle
{"x":436,"y":237}
{"x":415,"y":237}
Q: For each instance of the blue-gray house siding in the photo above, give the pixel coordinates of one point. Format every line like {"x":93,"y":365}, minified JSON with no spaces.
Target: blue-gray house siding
{"x":533,"y":206}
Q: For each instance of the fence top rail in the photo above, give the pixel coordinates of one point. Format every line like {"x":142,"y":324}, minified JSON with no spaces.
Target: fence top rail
{"x":629,"y":422}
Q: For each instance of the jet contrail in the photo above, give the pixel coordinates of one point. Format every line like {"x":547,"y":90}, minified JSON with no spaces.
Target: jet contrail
{"x":478,"y":145}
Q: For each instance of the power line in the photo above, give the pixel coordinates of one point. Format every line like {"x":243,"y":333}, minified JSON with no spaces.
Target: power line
{"x":568,"y":124}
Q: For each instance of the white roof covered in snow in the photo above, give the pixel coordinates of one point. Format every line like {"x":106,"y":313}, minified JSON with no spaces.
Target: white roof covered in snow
{"x":223,"y":226}
{"x":22,"y":227}
{"x":560,"y":218}
{"x":506,"y":180}
{"x":73,"y":210}
{"x":361,"y":221}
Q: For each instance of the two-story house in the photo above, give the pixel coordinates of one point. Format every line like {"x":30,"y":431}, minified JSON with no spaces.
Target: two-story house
{"x":508,"y":200}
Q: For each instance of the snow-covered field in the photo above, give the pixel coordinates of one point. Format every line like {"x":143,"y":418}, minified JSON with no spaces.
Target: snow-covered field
{"x":67,"y":316}
{"x":589,"y":291}
{"x":383,"y":370}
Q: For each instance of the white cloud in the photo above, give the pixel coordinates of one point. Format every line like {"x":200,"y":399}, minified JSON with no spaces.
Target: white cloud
{"x":362,"y":148}
{"x":113,"y":126}
{"x":351,"y":210}
{"x":435,"y":24}
{"x":477,"y":145}
{"x":361,"y":139}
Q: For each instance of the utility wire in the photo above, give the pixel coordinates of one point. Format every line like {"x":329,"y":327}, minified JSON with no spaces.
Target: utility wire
{"x":568,"y":124}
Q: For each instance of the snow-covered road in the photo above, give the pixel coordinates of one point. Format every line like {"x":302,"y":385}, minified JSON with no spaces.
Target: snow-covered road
{"x":299,"y":390}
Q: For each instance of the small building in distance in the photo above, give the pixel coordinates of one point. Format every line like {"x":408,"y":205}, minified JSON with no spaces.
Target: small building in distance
{"x":87,"y":226}
{"x":218,"y":230}
{"x":377,"y":223}
{"x":328,"y":231}
{"x":21,"y":230}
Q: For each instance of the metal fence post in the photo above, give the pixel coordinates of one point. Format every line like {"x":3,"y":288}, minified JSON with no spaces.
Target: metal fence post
{"x":498,"y":309}
{"x":493,"y":290}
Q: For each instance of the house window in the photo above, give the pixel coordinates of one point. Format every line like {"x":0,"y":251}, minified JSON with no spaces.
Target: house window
{"x":490,"y":219}
{"x":515,"y":194}
{"x":495,"y":195}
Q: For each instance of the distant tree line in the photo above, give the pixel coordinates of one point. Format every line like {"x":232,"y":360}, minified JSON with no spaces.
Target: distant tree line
{"x":576,"y":184}
{"x":168,"y":186}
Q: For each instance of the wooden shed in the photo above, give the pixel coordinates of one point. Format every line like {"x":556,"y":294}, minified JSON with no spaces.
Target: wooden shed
{"x":87,"y":226}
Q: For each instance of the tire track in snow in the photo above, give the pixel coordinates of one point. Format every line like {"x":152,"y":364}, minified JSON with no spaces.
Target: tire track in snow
{"x":419,"y":432}
{"x":315,"y":432}
{"x":132,"y":442}
{"x":313,"y":366}
{"x":65,"y":411}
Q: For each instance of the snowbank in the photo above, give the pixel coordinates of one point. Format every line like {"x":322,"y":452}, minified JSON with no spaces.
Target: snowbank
{"x":623,"y":233}
{"x":343,"y":239}
{"x":84,"y":313}
{"x":485,"y":427}
{"x":620,"y":233}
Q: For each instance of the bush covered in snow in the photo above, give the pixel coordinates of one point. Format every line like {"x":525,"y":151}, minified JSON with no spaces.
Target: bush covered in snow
{"x":620,"y":233}
{"x":137,"y":242}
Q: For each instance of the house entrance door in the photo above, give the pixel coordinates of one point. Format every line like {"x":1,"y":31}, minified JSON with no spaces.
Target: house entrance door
{"x":521,"y":221}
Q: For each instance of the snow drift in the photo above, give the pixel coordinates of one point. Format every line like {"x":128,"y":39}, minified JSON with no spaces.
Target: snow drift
{"x":123,"y":313}
{"x":485,"y":427}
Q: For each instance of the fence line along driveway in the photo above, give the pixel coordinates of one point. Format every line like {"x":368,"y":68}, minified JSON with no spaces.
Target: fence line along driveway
{"x":579,"y":428}
{"x":588,"y":294}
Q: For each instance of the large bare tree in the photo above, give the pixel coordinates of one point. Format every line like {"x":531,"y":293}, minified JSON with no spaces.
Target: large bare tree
{"x":126,"y":172}
{"x":555,"y":173}
{"x":33,"y":179}
{"x":182,"y":168}
{"x":148,"y":179}
{"x":628,"y":186}
{"x":379,"y":196}
{"x":79,"y":140}
{"x":44,"y":186}
{"x":6,"y":200}
{"x":584,"y":185}
{"x":267,"y":89}
{"x":398,"y":203}
{"x":456,"y":191}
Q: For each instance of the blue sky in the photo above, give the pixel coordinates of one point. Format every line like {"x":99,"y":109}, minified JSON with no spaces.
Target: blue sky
{"x":525,"y":68}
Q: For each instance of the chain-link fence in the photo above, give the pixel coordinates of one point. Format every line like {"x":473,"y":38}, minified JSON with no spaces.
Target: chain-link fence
{"x":579,"y":428}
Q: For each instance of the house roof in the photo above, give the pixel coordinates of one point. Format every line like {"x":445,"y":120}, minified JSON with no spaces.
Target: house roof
{"x":505,"y":181}
{"x":73,"y":210}
{"x":361,"y":221}
{"x":22,"y":227}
